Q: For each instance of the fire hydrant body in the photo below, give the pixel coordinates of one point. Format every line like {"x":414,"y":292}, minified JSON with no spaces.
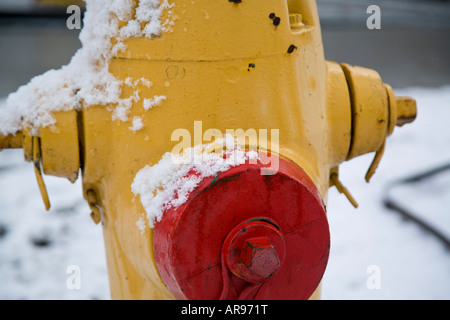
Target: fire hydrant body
{"x":246,"y":66}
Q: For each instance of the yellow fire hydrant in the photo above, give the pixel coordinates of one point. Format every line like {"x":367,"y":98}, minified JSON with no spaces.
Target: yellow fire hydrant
{"x":211,"y":228}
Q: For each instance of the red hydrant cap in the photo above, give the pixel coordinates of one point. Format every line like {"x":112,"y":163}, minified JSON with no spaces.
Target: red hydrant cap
{"x":246,"y":235}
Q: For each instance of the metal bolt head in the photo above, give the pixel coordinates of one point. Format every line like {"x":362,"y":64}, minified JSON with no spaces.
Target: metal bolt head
{"x":254,"y":250}
{"x":260,"y":256}
{"x":296,"y":21}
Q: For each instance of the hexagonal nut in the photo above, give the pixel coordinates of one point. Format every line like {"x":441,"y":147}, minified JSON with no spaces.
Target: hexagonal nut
{"x":260,"y":256}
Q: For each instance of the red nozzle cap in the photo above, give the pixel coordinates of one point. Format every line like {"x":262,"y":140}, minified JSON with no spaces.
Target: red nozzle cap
{"x":244,"y":234}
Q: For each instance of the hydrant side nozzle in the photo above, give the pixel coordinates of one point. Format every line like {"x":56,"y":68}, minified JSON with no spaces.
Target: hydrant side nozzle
{"x":53,"y":151}
{"x":375,"y":112}
{"x":369,"y":107}
{"x":11,"y":141}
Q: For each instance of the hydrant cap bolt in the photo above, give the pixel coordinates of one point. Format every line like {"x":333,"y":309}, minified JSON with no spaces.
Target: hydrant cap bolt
{"x":254,"y":250}
{"x":260,"y":256}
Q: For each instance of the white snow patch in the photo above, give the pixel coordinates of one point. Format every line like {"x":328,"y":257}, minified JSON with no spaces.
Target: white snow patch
{"x":141,"y":224}
{"x":137,"y":124}
{"x":86,"y":80}
{"x":123,"y":107}
{"x":168,"y":183}
{"x":156,"y":101}
{"x":129,"y":82}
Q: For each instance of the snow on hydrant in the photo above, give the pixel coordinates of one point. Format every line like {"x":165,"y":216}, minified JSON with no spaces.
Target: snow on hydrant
{"x":206,"y":135}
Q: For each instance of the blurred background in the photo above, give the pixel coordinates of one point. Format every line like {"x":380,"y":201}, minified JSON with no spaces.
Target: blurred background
{"x":409,"y":246}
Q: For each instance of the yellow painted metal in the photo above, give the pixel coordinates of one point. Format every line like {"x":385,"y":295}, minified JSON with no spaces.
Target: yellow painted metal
{"x":370,"y":112}
{"x":27,"y":145}
{"x":392,"y":109}
{"x":92,"y":199}
{"x":339,"y":114}
{"x":334,"y":181}
{"x":11,"y":141}
{"x":228,"y":66}
{"x":37,"y":161}
{"x":60,"y":146}
{"x":375,"y":113}
{"x":406,"y":110}
{"x":402,"y":110}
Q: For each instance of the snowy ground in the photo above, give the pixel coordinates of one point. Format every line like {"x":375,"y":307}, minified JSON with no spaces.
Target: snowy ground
{"x":38,"y":247}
